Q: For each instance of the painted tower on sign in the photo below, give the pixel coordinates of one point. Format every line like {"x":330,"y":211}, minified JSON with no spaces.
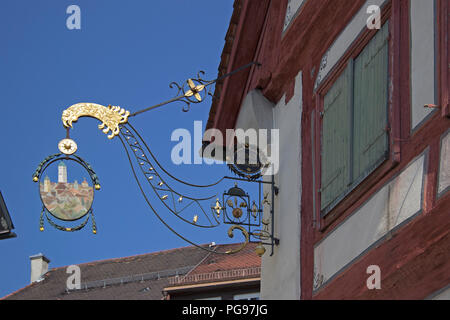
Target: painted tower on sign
{"x":62,"y":173}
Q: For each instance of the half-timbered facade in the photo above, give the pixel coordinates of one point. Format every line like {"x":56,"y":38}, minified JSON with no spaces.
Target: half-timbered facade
{"x":359,"y":91}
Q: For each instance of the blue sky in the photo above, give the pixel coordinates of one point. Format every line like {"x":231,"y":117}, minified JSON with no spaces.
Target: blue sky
{"x":126,"y":54}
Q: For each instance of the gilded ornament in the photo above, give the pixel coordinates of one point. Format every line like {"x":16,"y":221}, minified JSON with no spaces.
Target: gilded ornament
{"x":110,"y":116}
{"x":244,"y":232}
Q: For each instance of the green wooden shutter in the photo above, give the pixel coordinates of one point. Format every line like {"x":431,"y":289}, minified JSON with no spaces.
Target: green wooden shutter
{"x":370,"y":119}
{"x":336,"y":130}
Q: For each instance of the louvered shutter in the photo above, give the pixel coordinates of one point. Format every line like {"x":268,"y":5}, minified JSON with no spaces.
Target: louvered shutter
{"x":354,"y":128}
{"x":370,"y":106}
{"x":336,"y":130}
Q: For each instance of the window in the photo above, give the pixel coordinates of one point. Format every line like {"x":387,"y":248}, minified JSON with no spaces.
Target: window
{"x":355,"y":121}
{"x":247,"y":296}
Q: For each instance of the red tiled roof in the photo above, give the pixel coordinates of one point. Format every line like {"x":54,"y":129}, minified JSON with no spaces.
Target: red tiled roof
{"x":246,"y":258}
{"x":140,"y":277}
{"x":245,"y":264}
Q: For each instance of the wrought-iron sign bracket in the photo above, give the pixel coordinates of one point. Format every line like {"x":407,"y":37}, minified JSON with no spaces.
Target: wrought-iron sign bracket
{"x":246,"y":212}
{"x":253,"y":218}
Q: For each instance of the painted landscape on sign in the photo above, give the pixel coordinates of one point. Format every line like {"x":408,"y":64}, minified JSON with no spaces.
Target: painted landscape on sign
{"x":64,"y":200}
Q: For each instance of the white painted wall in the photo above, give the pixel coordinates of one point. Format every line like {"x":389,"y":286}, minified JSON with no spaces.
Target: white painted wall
{"x":280,"y":275}
{"x":256,"y":112}
{"x":423,"y":70}
{"x":345,"y":40}
{"x":443,"y":294}
{"x":397,"y":201}
{"x":281,"y":272}
{"x":291,"y":12}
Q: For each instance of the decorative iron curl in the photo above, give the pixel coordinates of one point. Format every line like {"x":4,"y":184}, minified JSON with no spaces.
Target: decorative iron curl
{"x":193,"y":90}
{"x":260,"y":234}
{"x":50,"y":159}
{"x":62,"y":228}
{"x":230,"y":231}
{"x":231,"y":235}
{"x":196,"y":86}
{"x":37,"y":173}
{"x":150,"y":173}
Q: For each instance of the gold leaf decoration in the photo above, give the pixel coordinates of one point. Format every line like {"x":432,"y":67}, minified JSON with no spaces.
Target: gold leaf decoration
{"x":110,"y":116}
{"x":244,"y":233}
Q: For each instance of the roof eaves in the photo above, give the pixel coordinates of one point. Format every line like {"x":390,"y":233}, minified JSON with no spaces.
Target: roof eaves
{"x":225,"y":59}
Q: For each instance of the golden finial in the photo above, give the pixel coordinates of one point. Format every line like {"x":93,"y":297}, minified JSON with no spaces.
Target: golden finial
{"x":260,"y":250}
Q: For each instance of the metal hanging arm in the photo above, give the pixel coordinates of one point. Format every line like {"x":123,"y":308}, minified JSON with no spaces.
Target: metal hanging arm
{"x":247,"y":217}
{"x":194,"y":90}
{"x":114,"y":116}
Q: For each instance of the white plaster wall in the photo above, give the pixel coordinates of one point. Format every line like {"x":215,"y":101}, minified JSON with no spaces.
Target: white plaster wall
{"x":389,"y":207}
{"x":444,"y":167}
{"x":255,"y":112}
{"x":280,"y":276}
{"x":423,"y":71}
{"x":345,"y":40}
{"x":291,"y":12}
{"x":443,"y":295}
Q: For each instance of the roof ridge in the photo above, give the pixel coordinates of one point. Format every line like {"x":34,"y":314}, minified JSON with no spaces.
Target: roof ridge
{"x":140,"y":255}
{"x":124,"y":258}
{"x":18,"y":290}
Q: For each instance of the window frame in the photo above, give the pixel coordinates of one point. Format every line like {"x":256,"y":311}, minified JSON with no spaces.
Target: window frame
{"x":247,"y":296}
{"x":443,"y":52}
{"x":362,"y":186}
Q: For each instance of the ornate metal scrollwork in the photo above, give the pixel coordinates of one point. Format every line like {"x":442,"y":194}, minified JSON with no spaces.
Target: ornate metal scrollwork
{"x":193,"y":90}
{"x":246,"y":215}
{"x":111,"y":116}
{"x":244,"y":232}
